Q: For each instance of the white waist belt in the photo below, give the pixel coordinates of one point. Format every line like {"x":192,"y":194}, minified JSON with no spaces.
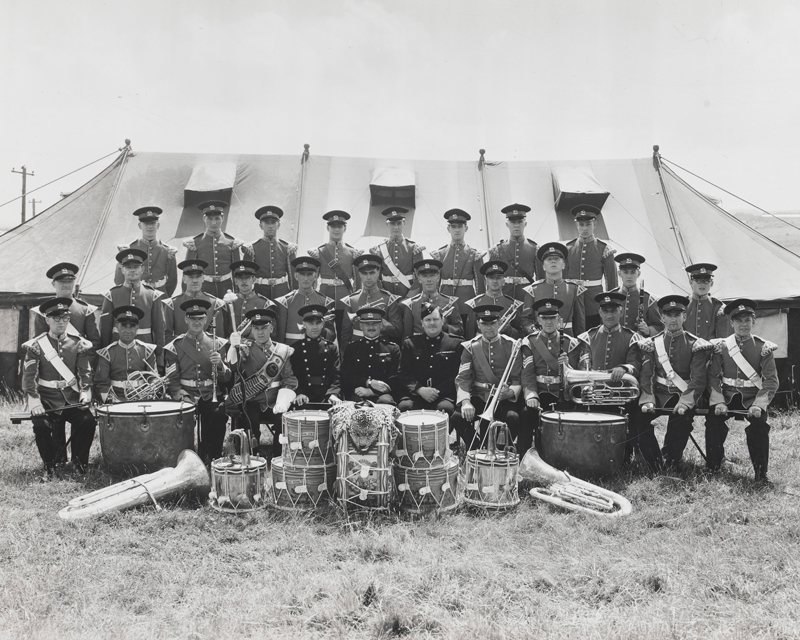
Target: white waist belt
{"x":458,"y":283}
{"x":548,"y":379}
{"x":395,"y":279}
{"x":295,"y":336}
{"x":515,"y":280}
{"x":592,"y":283}
{"x":139,"y":332}
{"x":196,"y":383}
{"x":54,"y":384}
{"x":566,"y":325}
{"x":157,"y":283}
{"x":227,"y":276}
{"x":358,"y":332}
{"x":122,"y":384}
{"x":332,"y":282}
{"x":737,"y":382}
{"x":272,"y":282}
{"x":665,"y":382}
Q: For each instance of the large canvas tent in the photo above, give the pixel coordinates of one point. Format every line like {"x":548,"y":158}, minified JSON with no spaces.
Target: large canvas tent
{"x":646,"y":208}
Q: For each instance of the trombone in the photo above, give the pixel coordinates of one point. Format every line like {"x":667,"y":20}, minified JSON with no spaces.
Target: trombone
{"x":494,"y":393}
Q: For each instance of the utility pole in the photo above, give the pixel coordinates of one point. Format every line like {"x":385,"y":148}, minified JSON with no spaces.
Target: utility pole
{"x":34,"y":202}
{"x":25,"y":175}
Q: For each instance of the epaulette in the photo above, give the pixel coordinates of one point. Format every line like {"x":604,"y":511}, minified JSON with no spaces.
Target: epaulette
{"x":573,"y":241}
{"x":717,"y":343}
{"x":107,"y":294}
{"x":84,"y":345}
{"x":221,"y":342}
{"x":190,"y":244}
{"x":32,"y":346}
{"x":647,"y":345}
{"x":171,"y":251}
{"x":585,"y":337}
{"x":572,"y":342}
{"x":149,"y":348}
{"x":218,"y":304}
{"x":532,"y":242}
{"x":357,"y":252}
{"x":700,"y":345}
{"x":721,"y":311}
{"x":529,"y":290}
{"x":290,"y":246}
{"x":608,"y":251}
{"x":417,"y":247}
{"x":237,"y":244}
{"x":170,"y":302}
{"x":313,"y":253}
{"x":408,"y":302}
{"x":768,"y":347}
{"x":79,"y":301}
{"x":248,"y":249}
{"x":171,"y":345}
{"x":283,"y":300}
{"x":122,"y":247}
{"x":329,"y":301}
{"x":346,"y":301}
{"x":104,"y":354}
{"x":392,"y":298}
{"x":473,"y":301}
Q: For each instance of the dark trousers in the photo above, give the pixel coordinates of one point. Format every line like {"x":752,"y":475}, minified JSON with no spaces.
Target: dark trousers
{"x":642,"y":437}
{"x":254,"y":416}
{"x":213,"y":421}
{"x":383,"y":398}
{"x":507,"y":412}
{"x":530,"y":431}
{"x":445,"y":405}
{"x":50,"y":433}
{"x":757,"y":434}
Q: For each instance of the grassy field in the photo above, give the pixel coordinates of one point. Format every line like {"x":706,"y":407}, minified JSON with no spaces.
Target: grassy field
{"x":700,"y":557}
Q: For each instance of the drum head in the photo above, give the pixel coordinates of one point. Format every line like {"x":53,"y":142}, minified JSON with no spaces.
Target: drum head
{"x":306,"y":415}
{"x":578,"y":417}
{"x":151,"y":407}
{"x":422,"y":417}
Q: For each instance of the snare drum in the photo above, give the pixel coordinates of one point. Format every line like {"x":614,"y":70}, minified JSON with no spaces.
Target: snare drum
{"x":236,"y":488}
{"x":585,"y":444}
{"x":423,"y":437}
{"x":429,"y":489}
{"x":142,"y":437}
{"x":300,"y":488}
{"x":306,"y":438}
{"x":491,"y":480}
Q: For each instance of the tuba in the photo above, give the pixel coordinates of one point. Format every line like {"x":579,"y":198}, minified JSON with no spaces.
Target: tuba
{"x":145,"y":385}
{"x":595,"y":388}
{"x":188,"y":474}
{"x":561,"y":489}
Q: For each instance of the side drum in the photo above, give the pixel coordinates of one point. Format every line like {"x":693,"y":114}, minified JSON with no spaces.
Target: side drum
{"x":423,"y":437}
{"x":426,"y":490}
{"x":142,"y":437}
{"x":491,"y":480}
{"x":585,"y":444}
{"x":238,"y":487}
{"x":306,"y":438}
{"x":300,"y":488}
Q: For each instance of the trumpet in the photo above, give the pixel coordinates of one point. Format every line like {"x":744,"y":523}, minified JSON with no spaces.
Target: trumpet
{"x":494,"y":395}
{"x":592,"y":387}
{"x":561,"y":489}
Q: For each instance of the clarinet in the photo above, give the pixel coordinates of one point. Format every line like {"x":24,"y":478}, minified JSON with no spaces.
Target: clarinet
{"x":214,"y":367}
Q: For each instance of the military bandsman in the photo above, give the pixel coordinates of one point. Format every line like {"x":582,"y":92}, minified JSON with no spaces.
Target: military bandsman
{"x":553,"y":256}
{"x":56,"y":380}
{"x":399,"y":255}
{"x":82,"y":321}
{"x":272,"y":255}
{"x":428,"y":273}
{"x":216,"y":247}
{"x":742,"y":377}
{"x":518,"y":252}
{"x":306,"y":272}
{"x":639,"y":311}
{"x":315,"y":361}
{"x":159,"y":269}
{"x":117,"y":361}
{"x":371,"y":365}
{"x":673,"y":377}
{"x":245,"y":299}
{"x":589,"y":261}
{"x":705,"y":316}
{"x":429,"y":365}
{"x":194,"y":363}
{"x":493,"y":273}
{"x":174,"y":318}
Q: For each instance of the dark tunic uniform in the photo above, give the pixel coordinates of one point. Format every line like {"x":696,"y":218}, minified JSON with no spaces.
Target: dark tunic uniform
{"x":573,"y":316}
{"x":315,"y":363}
{"x":175,"y":317}
{"x":82,"y":322}
{"x":377,"y":359}
{"x":706,"y":318}
{"x":403,"y":254}
{"x":332,"y":255}
{"x":151,"y":327}
{"x":290,"y":324}
{"x":512,"y":329}
{"x":40,"y":379}
{"x":219,"y":253}
{"x":160,"y":270}
{"x":460,"y":273}
{"x":729,"y":385}
{"x":523,"y":265}
{"x":116,"y":361}
{"x":189,"y":370}
{"x":587,"y":264}
{"x":412,"y":320}
{"x":603,"y":350}
{"x":688,"y":356}
{"x":351,"y":327}
{"x":430,"y":362}
{"x":630,"y":310}
{"x":274,"y":259}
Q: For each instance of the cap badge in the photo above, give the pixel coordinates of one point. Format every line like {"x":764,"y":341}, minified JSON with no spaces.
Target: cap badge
{"x":672,"y":304}
{"x":742,"y":308}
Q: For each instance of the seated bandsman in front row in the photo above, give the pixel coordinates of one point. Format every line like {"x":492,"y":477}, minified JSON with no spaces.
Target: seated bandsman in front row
{"x":174,"y":318}
{"x":371,"y":365}
{"x":493,"y":273}
{"x":673,"y":377}
{"x":57,"y":374}
{"x":127,"y":355}
{"x":245,"y":299}
{"x":639,"y":311}
{"x":483,"y":362}
{"x":267,"y":365}
{"x":553,"y":256}
{"x":742,"y":376}
{"x":544,"y":355}
{"x":429,"y":365}
{"x":82,"y":320}
{"x":428,"y":275}
{"x":193,"y":360}
{"x":315,"y":361}
{"x":306,"y":272}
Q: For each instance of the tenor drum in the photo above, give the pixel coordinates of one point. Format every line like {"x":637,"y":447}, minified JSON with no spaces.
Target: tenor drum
{"x":425,"y":490}
{"x":306,"y":438}
{"x":142,"y":437}
{"x":300,"y":488}
{"x":585,"y":444}
{"x":423,"y":437}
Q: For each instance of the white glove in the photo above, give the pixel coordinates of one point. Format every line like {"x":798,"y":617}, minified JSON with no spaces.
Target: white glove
{"x":235,"y":339}
{"x":85,"y":396}
{"x":35,"y":406}
{"x":284,"y":400}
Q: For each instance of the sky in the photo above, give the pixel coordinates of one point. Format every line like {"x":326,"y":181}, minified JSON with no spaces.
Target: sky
{"x":715,"y":84}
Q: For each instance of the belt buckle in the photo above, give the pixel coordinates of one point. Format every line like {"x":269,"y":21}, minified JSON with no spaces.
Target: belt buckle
{"x":61,"y":384}
{"x":271,"y":281}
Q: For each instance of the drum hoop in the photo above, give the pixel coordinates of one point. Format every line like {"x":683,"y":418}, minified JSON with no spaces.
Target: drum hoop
{"x":592,"y":417}
{"x":178,"y":408}
{"x":402,"y":418}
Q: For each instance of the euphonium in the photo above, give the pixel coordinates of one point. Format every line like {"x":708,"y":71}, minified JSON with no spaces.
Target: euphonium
{"x":145,"y":385}
{"x":561,"y":489}
{"x":592,"y":387}
{"x":189,"y":474}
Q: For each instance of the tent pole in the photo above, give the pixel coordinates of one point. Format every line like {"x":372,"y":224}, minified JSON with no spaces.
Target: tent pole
{"x":484,"y":198}
{"x":104,"y":217}
{"x":687,"y":259}
{"x":303,"y":161}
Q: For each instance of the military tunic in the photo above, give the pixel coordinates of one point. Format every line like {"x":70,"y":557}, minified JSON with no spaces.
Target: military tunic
{"x":160,"y":270}
{"x":151,"y":326}
{"x":377,"y":359}
{"x":512,"y":328}
{"x":630,"y":310}
{"x":603,"y":350}
{"x":542,"y":373}
{"x":315,"y":363}
{"x":175,"y":317}
{"x":335,"y":257}
{"x":523,"y":265}
{"x":82,"y":322}
{"x":290,"y":324}
{"x":392,"y":326}
{"x":430,"y":362}
{"x":219,"y":252}
{"x":255,"y":356}
{"x":706,"y":318}
{"x":573,"y":317}
{"x":587,"y":264}
{"x":274,"y":259}
{"x":240,"y":307}
{"x":412,"y":320}
{"x":116,"y":361}
{"x":460,"y":273}
{"x":403,"y":254}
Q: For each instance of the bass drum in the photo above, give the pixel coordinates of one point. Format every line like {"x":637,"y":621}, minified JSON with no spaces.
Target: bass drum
{"x":142,"y":437}
{"x":585,"y":444}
